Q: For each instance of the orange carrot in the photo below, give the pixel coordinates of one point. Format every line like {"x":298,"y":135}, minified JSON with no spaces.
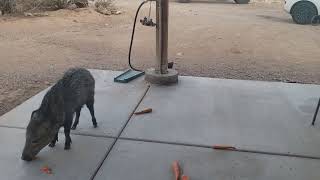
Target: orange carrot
{"x":145,"y":111}
{"x":46,"y":169}
{"x":222,"y":147}
{"x":184,"y":177}
{"x":176,"y":170}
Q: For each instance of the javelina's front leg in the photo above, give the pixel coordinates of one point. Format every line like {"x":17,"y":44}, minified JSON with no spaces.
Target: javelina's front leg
{"x":67,"y":127}
{"x":53,"y":142}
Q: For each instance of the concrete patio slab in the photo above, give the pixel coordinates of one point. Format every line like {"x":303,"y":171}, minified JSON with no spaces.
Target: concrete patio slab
{"x":77,"y":163}
{"x":265,"y":116}
{"x":142,"y":161}
{"x":113,"y":104}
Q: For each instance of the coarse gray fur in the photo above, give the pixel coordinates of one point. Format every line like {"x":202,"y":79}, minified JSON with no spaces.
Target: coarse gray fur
{"x":66,"y":97}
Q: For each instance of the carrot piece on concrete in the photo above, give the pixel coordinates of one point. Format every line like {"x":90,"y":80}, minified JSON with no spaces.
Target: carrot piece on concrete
{"x":184,"y":177}
{"x":176,"y":170}
{"x":46,"y":169}
{"x":222,"y":147}
{"x":145,"y":111}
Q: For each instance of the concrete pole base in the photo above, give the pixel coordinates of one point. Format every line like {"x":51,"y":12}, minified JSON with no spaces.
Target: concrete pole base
{"x":162,"y":79}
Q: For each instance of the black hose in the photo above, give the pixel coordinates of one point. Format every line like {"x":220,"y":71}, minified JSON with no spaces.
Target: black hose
{"x":132,"y":35}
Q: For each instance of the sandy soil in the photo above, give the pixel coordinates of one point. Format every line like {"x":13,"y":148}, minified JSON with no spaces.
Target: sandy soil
{"x":214,"y":39}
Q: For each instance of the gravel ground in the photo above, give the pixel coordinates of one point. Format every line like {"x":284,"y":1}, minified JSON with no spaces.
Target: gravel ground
{"x":207,"y":38}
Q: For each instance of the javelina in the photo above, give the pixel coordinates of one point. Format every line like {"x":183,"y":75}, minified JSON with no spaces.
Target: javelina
{"x":58,"y":106}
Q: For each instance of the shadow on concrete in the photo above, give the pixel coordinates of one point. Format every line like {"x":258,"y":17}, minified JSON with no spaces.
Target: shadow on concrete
{"x":276,"y":19}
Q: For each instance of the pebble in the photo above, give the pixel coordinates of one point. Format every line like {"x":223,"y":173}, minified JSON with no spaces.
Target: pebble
{"x":28,"y":14}
{"x":179,"y":54}
{"x":118,"y":12}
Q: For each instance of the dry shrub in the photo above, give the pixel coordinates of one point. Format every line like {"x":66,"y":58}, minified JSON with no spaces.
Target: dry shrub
{"x":20,"y":6}
{"x":27,"y":5}
{"x":60,"y":4}
{"x":44,"y":4}
{"x":107,"y":4}
{"x":105,"y":7}
{"x":7,"y":6}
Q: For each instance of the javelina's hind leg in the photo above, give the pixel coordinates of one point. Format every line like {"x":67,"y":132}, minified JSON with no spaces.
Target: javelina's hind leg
{"x":90,"y":106}
{"x":67,"y":127}
{"x":53,"y":142}
{"x":76,"y":122}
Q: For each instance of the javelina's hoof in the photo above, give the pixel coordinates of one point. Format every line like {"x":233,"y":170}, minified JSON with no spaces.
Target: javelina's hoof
{"x":95,"y":125}
{"x":52,"y":145}
{"x":67,"y":147}
{"x":74,"y":127}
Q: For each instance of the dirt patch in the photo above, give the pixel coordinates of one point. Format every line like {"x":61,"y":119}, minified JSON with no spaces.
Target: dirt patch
{"x":206,"y":38}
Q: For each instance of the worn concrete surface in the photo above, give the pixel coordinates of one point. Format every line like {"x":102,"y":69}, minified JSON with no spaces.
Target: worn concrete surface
{"x":78,"y":163}
{"x":113,"y":104}
{"x":248,"y":114}
{"x":142,"y":161}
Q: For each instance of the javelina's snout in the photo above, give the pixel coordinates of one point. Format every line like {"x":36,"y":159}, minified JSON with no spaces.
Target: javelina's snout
{"x":27,"y":154}
{"x":26,"y":157}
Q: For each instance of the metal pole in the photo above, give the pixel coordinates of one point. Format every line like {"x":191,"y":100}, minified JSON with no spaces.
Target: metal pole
{"x":162,"y":11}
{"x":161,"y":74}
{"x":316,"y":113}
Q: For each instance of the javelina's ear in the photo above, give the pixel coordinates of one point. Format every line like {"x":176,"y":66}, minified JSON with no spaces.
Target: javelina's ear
{"x":33,"y":113}
{"x":35,"y":116}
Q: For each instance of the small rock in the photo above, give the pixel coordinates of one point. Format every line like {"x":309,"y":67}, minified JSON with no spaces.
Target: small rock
{"x":75,"y":21}
{"x":113,"y":11}
{"x":47,"y":83}
{"x":107,"y":24}
{"x":118,"y":12}
{"x":179,"y":54}
{"x":104,"y":11}
{"x":28,"y":14}
{"x":72,"y":7}
{"x":107,"y":12}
